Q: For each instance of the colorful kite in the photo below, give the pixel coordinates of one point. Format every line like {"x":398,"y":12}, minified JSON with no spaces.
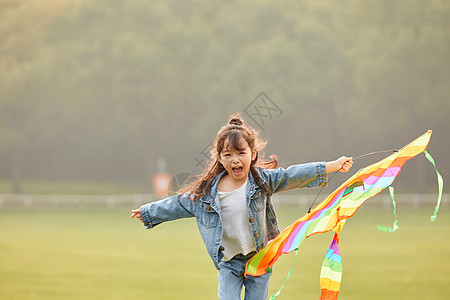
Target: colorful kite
{"x":332,"y":213}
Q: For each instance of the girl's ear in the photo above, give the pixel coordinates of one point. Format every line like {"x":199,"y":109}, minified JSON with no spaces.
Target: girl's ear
{"x":254,"y":154}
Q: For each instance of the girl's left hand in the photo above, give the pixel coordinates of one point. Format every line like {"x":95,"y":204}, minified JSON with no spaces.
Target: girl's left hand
{"x":342,"y":164}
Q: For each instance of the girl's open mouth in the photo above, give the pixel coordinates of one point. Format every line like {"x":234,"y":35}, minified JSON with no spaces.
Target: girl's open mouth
{"x":237,"y":171}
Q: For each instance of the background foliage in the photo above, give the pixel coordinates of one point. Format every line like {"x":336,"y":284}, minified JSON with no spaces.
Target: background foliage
{"x":99,"y":90}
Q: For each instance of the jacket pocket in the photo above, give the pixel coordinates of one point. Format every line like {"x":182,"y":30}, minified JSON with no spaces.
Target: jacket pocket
{"x":208,"y":216}
{"x":258,"y":204}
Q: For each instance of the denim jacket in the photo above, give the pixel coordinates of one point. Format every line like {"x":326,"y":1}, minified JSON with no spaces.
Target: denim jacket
{"x":261,"y":214}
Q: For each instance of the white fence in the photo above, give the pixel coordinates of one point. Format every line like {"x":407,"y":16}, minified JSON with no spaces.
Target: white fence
{"x":383,"y":200}
{"x":72,"y":201}
{"x":8,"y":201}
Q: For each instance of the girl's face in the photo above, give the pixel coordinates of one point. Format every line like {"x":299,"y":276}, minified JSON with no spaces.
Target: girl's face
{"x":237,"y":161}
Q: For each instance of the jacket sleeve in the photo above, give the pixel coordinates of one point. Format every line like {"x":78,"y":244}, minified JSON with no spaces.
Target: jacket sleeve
{"x":168,"y":209}
{"x":294,"y":177}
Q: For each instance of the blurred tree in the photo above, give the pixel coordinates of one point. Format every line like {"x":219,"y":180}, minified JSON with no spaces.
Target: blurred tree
{"x":100,"y":89}
{"x":23,"y":57}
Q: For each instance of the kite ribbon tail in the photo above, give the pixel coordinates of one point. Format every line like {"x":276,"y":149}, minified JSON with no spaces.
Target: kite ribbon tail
{"x":440,"y":185}
{"x":395,"y":224}
{"x":331,"y":273}
{"x":274,"y":296}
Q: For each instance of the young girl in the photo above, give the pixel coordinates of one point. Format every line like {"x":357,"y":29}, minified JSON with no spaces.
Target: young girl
{"x":231,"y":202}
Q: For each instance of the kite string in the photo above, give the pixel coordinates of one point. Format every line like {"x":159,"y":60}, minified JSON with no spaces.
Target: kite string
{"x":361,"y":156}
{"x":376,"y":152}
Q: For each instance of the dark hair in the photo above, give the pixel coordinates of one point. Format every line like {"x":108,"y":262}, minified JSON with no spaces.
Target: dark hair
{"x":234,"y":130}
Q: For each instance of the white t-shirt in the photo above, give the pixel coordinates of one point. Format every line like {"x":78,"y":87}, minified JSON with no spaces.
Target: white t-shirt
{"x":237,"y":235}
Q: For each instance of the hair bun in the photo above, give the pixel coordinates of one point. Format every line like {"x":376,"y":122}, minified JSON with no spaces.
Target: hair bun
{"x":235,"y":121}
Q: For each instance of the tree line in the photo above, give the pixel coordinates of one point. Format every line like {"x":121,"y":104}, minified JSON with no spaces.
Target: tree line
{"x":100,"y":90}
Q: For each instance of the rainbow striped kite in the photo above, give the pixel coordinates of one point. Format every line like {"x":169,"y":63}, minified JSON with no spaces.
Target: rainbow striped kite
{"x":332,"y":213}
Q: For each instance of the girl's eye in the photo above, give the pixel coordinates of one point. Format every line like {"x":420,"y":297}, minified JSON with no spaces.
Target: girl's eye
{"x":242,"y":152}
{"x":227,"y":155}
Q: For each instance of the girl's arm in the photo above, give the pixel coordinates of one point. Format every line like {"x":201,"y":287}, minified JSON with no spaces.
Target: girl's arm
{"x":303,"y":175}
{"x":168,"y":209}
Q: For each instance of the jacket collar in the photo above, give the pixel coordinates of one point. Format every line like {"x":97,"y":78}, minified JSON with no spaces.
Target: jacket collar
{"x":252,"y":187}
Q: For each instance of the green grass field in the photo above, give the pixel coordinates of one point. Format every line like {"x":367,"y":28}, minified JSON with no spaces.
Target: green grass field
{"x":106,"y":255}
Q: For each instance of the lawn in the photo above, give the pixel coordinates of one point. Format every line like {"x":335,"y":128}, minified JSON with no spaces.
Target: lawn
{"x":85,"y":254}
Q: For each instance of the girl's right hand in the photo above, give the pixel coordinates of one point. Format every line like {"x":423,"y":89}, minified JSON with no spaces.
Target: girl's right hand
{"x":136,"y":213}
